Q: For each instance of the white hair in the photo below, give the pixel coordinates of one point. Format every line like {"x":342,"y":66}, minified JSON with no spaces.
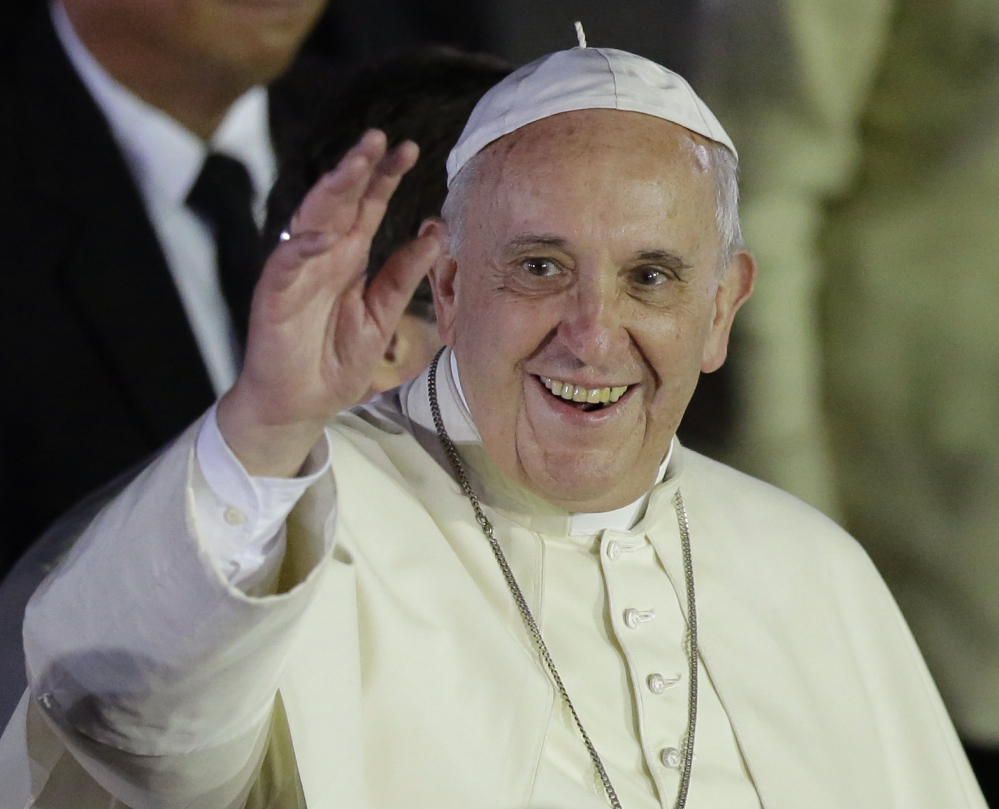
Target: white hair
{"x":456,"y":201}
{"x":723,"y":162}
{"x":726,"y":201}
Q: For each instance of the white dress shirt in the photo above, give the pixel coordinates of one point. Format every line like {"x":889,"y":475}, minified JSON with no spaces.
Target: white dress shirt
{"x":165,"y":159}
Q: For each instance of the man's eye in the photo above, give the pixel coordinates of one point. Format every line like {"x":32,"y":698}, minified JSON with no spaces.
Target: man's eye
{"x":541,"y":267}
{"x":651,"y":276}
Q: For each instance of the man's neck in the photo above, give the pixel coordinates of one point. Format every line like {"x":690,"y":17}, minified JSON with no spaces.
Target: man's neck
{"x":195,"y":94}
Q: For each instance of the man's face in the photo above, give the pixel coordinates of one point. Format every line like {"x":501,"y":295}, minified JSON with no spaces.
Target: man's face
{"x":251,"y":41}
{"x":590,"y":258}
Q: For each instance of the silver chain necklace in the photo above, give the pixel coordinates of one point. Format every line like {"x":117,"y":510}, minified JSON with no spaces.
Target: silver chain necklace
{"x":532,"y":626}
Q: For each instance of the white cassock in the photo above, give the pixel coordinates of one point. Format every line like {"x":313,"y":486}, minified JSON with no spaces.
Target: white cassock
{"x":405,"y":674}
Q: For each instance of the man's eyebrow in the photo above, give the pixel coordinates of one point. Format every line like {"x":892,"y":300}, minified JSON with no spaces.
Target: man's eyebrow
{"x":547,"y":240}
{"x":664,"y":256}
{"x":536,"y":240}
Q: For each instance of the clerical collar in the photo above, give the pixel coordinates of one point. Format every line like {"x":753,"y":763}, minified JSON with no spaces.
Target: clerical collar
{"x":585,"y":523}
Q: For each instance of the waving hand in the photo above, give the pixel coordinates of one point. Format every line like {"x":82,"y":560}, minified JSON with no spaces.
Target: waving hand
{"x":317,"y":330}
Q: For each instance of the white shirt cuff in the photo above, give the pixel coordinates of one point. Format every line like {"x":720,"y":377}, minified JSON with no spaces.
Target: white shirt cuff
{"x":241,"y":518}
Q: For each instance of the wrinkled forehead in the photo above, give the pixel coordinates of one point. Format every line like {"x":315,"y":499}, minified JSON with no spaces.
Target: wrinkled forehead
{"x":603,"y":131}
{"x":594,"y":150}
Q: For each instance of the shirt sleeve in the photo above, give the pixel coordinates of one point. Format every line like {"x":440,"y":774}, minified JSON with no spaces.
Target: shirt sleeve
{"x":241,"y":518}
{"x":146,"y":661}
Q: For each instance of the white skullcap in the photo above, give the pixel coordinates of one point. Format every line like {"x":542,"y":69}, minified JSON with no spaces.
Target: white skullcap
{"x":583,"y":79}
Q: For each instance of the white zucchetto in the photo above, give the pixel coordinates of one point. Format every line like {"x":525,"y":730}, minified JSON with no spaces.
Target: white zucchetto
{"x":583,"y":79}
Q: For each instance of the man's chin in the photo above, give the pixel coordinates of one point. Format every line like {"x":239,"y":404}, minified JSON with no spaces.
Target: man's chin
{"x":581,"y":484}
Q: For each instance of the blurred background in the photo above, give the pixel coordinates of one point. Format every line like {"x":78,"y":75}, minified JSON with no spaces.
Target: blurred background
{"x":864,"y":373}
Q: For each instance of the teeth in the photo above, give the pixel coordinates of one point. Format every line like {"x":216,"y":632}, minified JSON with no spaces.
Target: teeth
{"x":574,"y":393}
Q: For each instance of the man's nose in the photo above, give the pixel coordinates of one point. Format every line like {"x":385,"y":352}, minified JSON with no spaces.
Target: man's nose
{"x":592,"y":325}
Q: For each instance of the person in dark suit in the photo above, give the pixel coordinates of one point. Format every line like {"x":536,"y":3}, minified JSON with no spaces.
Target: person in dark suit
{"x":132,"y":134}
{"x":425,"y":96}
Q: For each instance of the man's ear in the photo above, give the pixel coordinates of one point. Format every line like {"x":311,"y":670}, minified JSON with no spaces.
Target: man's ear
{"x":385,"y":375}
{"x":442,"y":279}
{"x":412,"y":347}
{"x":734,"y":287}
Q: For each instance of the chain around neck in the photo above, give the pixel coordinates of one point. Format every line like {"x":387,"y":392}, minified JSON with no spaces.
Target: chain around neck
{"x":535,"y":632}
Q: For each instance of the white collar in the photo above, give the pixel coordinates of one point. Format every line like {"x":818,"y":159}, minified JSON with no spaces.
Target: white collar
{"x":585,"y":523}
{"x":164,"y":156}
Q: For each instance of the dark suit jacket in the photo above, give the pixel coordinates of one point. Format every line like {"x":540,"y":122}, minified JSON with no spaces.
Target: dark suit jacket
{"x":98,"y":366}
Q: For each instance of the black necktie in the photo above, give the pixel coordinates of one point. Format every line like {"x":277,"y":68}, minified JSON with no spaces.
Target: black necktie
{"x":223,"y":195}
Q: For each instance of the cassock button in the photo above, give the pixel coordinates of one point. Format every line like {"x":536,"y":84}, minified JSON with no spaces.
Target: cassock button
{"x":234,"y":516}
{"x":657,"y":683}
{"x":613,"y":550}
{"x":633,"y":617}
{"x":670,"y":757}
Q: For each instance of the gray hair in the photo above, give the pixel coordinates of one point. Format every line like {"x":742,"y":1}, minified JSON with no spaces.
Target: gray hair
{"x":726,"y":201}
{"x":455,"y":203}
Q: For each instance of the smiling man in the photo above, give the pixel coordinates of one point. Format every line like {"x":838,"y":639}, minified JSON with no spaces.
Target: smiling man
{"x":504,"y":584}
{"x":595,"y":269}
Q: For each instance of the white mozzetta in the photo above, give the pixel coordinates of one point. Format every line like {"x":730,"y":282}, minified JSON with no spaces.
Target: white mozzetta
{"x":407,"y":678}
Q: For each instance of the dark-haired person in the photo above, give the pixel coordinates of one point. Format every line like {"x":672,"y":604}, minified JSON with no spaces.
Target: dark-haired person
{"x":424,"y":96}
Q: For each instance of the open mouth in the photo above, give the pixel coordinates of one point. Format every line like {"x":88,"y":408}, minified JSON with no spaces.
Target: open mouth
{"x":585,"y":399}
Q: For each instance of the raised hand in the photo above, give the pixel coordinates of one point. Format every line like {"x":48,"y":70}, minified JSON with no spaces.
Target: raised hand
{"x":316,"y":330}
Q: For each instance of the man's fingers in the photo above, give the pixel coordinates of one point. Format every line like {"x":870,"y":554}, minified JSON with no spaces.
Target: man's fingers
{"x":392,"y":288}
{"x":385,"y":178}
{"x":331,"y":204}
{"x":289,"y":257}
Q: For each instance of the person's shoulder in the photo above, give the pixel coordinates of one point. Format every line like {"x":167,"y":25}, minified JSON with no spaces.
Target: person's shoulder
{"x":764,"y":517}
{"x":727,"y":481}
{"x":381,"y":416}
{"x":378,"y":431}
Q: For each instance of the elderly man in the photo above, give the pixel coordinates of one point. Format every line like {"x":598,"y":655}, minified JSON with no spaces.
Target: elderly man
{"x":515,"y":588}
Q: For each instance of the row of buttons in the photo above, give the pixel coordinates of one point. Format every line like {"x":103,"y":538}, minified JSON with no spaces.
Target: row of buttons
{"x":633,"y":619}
{"x":656,"y":683}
